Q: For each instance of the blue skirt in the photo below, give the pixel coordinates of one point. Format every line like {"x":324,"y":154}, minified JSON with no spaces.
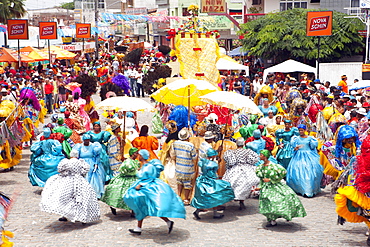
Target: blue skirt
{"x":304,"y":173}
{"x":155,"y":198}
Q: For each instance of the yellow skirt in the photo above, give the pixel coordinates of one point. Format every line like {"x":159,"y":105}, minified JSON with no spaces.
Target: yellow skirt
{"x":357,"y":199}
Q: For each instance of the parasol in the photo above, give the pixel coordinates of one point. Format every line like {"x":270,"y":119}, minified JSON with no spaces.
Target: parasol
{"x":184,"y":92}
{"x":125,"y":103}
{"x":232,"y":101}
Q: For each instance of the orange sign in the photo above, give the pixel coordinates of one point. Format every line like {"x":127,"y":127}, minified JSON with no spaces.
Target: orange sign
{"x":213,"y":6}
{"x":319,"y":23}
{"x":48,"y":30}
{"x":83,"y":30}
{"x":17,"y":29}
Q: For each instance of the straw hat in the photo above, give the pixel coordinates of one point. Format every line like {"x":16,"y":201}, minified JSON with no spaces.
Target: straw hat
{"x":208,"y":135}
{"x":184,"y":134}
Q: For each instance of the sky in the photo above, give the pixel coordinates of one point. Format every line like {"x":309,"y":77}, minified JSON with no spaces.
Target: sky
{"x":40,"y":4}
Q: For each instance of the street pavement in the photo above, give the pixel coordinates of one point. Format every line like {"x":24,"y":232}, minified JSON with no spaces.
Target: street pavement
{"x":32,"y":227}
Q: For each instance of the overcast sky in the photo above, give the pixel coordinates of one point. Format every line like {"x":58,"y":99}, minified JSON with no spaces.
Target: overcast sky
{"x":40,"y":4}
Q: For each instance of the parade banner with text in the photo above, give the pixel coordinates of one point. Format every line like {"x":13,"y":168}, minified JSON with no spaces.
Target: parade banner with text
{"x":319,"y":23}
{"x":48,"y":30}
{"x":213,"y":6}
{"x":17,"y":29}
{"x":83,"y":30}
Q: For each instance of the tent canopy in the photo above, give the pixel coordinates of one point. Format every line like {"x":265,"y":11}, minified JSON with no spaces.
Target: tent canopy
{"x":60,"y":53}
{"x":238,"y":52}
{"x":10,"y":56}
{"x":289,"y":66}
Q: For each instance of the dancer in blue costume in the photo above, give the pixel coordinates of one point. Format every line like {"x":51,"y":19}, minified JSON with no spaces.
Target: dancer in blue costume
{"x":283,"y":138}
{"x":210,"y":192}
{"x":45,"y":158}
{"x":90,"y":152}
{"x":258,"y":145}
{"x":304,"y":172}
{"x":266,"y":107}
{"x":150,"y":196}
{"x":97,"y":135}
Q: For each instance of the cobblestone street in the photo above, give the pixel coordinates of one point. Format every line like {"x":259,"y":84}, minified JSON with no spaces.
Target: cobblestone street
{"x":238,"y":228}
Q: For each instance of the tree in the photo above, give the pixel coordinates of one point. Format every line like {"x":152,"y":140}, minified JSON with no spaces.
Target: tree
{"x":70,"y":5}
{"x":282,"y":35}
{"x":10,"y":9}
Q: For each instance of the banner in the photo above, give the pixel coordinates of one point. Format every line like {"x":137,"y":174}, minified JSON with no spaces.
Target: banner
{"x":365,"y":4}
{"x":48,"y":30}
{"x":319,"y":23}
{"x":213,"y":6}
{"x":17,"y":29}
{"x":83,"y":30}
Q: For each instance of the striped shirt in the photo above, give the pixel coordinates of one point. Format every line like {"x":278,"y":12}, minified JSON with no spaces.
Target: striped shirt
{"x":184,"y":154}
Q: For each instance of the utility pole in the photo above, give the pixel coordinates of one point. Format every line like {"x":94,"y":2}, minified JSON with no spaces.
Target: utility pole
{"x":96,"y":35}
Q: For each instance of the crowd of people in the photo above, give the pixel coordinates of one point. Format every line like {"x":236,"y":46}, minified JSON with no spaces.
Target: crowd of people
{"x":309,"y":135}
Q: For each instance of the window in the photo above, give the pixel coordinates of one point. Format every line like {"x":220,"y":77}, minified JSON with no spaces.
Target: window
{"x":292,"y":4}
{"x":355,"y":3}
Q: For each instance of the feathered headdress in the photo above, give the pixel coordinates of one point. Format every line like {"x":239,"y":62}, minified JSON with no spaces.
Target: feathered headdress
{"x":345,"y":132}
{"x":121,"y":81}
{"x":29,"y":93}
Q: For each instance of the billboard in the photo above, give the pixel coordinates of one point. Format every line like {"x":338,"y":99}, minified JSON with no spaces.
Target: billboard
{"x":83,"y":30}
{"x":48,"y":30}
{"x":319,"y":23}
{"x":17,"y":29}
{"x":213,"y":6}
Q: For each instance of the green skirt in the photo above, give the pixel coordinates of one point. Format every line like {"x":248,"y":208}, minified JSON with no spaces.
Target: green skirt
{"x":280,"y":201}
{"x":116,"y":189}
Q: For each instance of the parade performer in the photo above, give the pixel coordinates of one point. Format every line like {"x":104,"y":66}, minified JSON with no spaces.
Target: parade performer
{"x":128,"y":124}
{"x":114,"y":149}
{"x":283,"y":137}
{"x":297,"y":114}
{"x":73,"y":125}
{"x":69,"y":194}
{"x":144,"y":141}
{"x":119,"y":184}
{"x":66,"y":133}
{"x":184,"y":154}
{"x":264,"y":93}
{"x":14,"y":132}
{"x":91,"y":153}
{"x":102,"y":137}
{"x":81,"y":111}
{"x":45,"y":158}
{"x":150,"y":196}
{"x":241,"y":171}
{"x":32,"y":107}
{"x":276,"y":199}
{"x":352,"y":198}
{"x":266,"y":107}
{"x":304,"y":172}
{"x":210,"y":191}
{"x":222,"y":146}
{"x":258,"y":138}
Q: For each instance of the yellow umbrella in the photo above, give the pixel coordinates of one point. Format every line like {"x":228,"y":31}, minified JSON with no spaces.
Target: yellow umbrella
{"x":60,"y":53}
{"x":184,"y":92}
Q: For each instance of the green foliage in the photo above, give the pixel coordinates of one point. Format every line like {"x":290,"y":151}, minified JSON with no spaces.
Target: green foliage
{"x":10,"y":9}
{"x":70,"y":5}
{"x":282,"y":36}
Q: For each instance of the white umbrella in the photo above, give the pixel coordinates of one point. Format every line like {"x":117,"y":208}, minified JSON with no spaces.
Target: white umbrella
{"x":125,"y":103}
{"x":232,"y":101}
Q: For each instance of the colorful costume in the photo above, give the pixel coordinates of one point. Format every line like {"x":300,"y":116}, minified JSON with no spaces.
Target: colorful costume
{"x":45,"y":158}
{"x":96,"y":175}
{"x":119,"y":185}
{"x":241,"y":171}
{"x":114,"y":154}
{"x":67,"y":134}
{"x":209,"y":190}
{"x":69,"y":194}
{"x":284,"y":154}
{"x":304,"y":172}
{"x":276,"y":199}
{"x":154,"y":198}
{"x":149,"y":143}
